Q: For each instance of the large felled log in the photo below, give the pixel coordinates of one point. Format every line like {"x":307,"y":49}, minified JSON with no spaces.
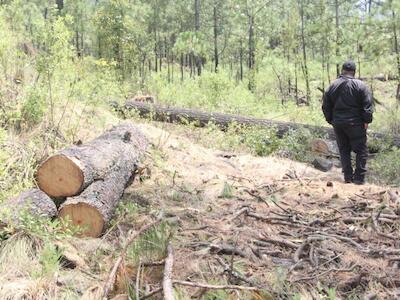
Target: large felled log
{"x":201,"y":119}
{"x":95,"y":206}
{"x":33,"y":201}
{"x":71,"y":170}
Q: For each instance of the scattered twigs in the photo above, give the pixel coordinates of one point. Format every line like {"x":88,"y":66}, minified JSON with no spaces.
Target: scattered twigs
{"x":154,"y":263}
{"x":216,"y":287}
{"x":167,"y":280}
{"x":152,"y":293}
{"x":220,"y":249}
{"x":111,"y":277}
{"x":240,"y":212}
{"x":279,"y":242}
{"x":228,"y":269}
{"x":325,"y":273}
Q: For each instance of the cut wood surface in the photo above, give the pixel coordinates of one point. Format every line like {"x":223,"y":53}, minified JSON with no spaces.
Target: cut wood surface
{"x":33,"y":201}
{"x":201,"y":119}
{"x":71,"y":170}
{"x":325,"y":147}
{"x":95,"y":206}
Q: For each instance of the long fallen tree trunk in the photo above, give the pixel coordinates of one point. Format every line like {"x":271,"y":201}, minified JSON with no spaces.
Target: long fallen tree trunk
{"x":201,"y":119}
{"x":70,"y":171}
{"x":33,"y":201}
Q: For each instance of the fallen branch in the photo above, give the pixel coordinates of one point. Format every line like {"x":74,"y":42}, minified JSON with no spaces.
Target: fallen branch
{"x":203,"y":286}
{"x":216,"y":287}
{"x":111,"y":277}
{"x":167,"y":280}
{"x":220,"y":249}
{"x":229,"y":269}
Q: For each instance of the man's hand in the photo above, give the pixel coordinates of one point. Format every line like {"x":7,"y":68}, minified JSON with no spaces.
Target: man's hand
{"x":366,"y":126}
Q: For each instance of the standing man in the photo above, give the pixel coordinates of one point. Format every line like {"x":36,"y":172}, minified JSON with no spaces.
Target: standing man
{"x":347,"y":105}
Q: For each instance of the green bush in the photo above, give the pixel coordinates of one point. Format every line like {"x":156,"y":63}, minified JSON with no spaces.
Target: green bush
{"x":261,"y":141}
{"x":33,"y":108}
{"x":296,"y":145}
{"x":386,"y":167}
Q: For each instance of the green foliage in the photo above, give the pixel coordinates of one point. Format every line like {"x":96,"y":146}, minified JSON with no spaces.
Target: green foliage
{"x":296,"y":145}
{"x":387,"y":166}
{"x":33,"y":108}
{"x":150,"y":246}
{"x":261,"y":141}
{"x":49,"y":257}
{"x":227,"y":191}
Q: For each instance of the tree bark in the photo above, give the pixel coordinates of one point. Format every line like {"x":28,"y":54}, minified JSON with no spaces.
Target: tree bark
{"x":197,"y":58}
{"x":201,"y":119}
{"x":33,"y":201}
{"x":94,"y":208}
{"x":337,"y":35}
{"x":397,"y":51}
{"x":216,"y":58}
{"x":70,"y":171}
{"x":303,"y":42}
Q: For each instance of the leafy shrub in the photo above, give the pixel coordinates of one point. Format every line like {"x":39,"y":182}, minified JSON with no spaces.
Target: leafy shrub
{"x":33,"y":108}
{"x":262,"y":141}
{"x":386,"y":167}
{"x":296,"y":145}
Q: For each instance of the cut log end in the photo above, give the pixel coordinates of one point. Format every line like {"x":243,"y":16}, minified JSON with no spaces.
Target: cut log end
{"x":59,"y":176}
{"x":85,"y":216}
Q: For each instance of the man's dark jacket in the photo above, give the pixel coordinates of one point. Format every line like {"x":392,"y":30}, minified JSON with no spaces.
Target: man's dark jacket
{"x":347,"y":101}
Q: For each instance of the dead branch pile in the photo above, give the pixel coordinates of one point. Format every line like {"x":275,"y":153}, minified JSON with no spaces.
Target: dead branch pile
{"x":347,"y":243}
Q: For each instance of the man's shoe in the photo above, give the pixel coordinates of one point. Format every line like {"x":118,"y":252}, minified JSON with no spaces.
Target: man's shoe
{"x":359,"y":182}
{"x":348,"y":179}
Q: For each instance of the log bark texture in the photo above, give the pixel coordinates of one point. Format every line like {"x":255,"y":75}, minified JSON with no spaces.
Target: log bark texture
{"x":70,"y":171}
{"x":32,"y":201}
{"x":95,"y":206}
{"x":201,"y":119}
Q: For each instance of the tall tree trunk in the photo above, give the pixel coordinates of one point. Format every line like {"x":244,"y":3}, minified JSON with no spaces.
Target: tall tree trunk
{"x":397,"y":50}
{"x":303,"y":42}
{"x":77,"y":44}
{"x":251,"y":62}
{"x":241,"y":60}
{"x":197,"y":58}
{"x":216,"y":58}
{"x":155,"y":52}
{"x":337,"y":36}
{"x":182,"y":67}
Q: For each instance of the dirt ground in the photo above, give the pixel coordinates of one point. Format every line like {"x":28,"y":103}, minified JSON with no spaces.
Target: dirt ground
{"x":272,"y":223}
{"x":279,"y":226}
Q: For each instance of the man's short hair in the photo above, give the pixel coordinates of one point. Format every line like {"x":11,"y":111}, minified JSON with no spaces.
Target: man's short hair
{"x":349,"y":66}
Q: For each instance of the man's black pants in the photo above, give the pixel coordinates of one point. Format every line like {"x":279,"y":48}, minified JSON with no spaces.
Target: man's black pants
{"x":352,"y":138}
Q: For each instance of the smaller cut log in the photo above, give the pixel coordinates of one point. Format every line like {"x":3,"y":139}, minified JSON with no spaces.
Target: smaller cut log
{"x":33,"y":201}
{"x":325,"y":147}
{"x":95,"y":206}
